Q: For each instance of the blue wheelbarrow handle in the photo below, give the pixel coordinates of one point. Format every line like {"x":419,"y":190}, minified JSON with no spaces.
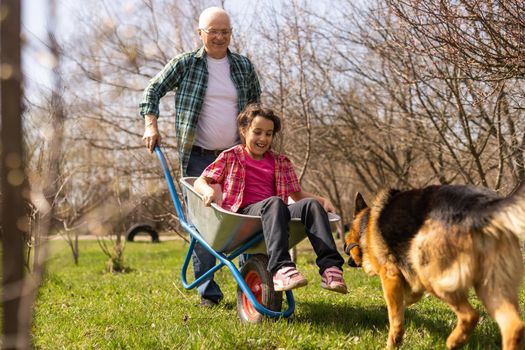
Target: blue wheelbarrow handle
{"x":171,"y":185}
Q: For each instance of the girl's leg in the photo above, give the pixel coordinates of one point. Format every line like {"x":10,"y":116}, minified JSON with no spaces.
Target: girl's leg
{"x":275,"y":217}
{"x":315,"y":219}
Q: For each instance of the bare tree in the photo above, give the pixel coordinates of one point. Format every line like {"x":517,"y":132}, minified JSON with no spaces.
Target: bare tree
{"x":124,"y":51}
{"x":115,"y":250}
{"x":483,"y":38}
{"x":412,"y":115}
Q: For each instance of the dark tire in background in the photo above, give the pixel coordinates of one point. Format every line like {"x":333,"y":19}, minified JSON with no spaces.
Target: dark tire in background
{"x":142,"y":228}
{"x":260,"y":282}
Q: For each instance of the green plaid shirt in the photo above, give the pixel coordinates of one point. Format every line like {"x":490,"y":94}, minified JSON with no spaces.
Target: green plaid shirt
{"x":187,"y":75}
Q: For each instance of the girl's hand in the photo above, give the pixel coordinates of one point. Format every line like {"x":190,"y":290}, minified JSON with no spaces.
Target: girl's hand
{"x":327,"y":205}
{"x":212,"y":194}
{"x":325,"y":202}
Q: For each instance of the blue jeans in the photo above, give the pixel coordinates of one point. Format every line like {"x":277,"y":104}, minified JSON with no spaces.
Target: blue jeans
{"x":202,"y":259}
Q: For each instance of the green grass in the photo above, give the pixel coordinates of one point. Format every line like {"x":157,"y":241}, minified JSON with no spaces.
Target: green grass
{"x":83,"y":307}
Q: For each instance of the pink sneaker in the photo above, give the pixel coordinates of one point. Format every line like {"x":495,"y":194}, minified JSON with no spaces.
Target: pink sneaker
{"x":332,"y":279}
{"x":287,"y":278}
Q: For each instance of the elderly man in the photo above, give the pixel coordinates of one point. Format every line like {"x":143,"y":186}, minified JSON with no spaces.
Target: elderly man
{"x":212,"y":85}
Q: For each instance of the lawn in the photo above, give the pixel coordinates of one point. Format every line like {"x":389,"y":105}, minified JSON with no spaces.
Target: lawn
{"x":83,"y":307}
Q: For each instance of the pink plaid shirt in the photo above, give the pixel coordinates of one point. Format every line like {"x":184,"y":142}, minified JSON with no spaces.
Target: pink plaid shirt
{"x":229,"y":171}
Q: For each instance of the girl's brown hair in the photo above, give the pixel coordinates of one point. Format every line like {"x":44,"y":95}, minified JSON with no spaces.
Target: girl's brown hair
{"x":245,"y":118}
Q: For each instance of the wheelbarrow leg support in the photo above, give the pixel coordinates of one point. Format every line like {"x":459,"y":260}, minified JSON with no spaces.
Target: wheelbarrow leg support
{"x":227,"y":261}
{"x":184,"y":270}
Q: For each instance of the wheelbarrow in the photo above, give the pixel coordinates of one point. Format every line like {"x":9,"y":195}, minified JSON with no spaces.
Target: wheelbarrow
{"x":227,"y":235}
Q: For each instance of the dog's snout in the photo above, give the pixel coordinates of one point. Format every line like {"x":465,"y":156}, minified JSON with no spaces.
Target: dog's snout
{"x":351,"y":262}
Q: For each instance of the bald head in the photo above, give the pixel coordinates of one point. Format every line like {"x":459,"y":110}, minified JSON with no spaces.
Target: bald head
{"x":215,"y":31}
{"x":212,"y":14}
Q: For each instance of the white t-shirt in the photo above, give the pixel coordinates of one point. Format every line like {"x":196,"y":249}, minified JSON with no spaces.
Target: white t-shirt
{"x":217,"y":125}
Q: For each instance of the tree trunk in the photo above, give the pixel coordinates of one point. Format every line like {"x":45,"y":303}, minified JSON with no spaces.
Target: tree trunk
{"x":15,"y":334}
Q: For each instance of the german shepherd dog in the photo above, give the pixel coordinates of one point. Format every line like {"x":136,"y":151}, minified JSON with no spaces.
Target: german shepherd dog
{"x":444,"y":240}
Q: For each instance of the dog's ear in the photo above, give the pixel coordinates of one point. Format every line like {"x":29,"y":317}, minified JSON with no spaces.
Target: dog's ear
{"x":359,"y":203}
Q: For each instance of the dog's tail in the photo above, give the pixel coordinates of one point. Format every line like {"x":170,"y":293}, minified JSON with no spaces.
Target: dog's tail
{"x":507,"y":228}
{"x":511,"y":213}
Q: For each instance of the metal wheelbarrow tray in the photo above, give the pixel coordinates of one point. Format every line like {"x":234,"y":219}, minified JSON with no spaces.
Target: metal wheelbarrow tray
{"x":227,"y":235}
{"x":224,"y":230}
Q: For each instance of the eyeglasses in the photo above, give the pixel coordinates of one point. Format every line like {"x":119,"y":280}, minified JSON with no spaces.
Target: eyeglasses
{"x":216,"y":32}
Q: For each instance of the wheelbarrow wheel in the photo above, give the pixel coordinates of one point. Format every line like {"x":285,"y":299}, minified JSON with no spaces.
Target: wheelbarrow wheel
{"x":260,"y":282}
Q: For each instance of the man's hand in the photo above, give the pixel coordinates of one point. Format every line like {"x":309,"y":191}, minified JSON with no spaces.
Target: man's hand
{"x":151,"y":132}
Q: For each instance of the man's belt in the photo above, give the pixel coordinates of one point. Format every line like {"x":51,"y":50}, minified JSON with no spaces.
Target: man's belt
{"x":207,"y":152}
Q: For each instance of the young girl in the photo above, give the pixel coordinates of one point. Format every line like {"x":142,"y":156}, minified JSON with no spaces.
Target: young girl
{"x":251,"y":179}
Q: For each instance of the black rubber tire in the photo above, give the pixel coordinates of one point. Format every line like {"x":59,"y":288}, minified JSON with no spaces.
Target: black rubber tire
{"x":142,"y":228}
{"x":255,"y":268}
